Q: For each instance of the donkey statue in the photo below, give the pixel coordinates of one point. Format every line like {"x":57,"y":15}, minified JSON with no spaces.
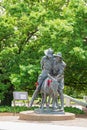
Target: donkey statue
{"x":49,"y":89}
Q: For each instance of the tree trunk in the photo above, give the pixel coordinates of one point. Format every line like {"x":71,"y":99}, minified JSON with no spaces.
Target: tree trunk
{"x":8,"y":97}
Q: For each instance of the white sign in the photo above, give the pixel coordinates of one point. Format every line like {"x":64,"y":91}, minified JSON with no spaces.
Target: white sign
{"x":20,"y":95}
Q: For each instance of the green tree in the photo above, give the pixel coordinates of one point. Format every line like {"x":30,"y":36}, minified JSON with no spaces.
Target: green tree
{"x":27,"y":28}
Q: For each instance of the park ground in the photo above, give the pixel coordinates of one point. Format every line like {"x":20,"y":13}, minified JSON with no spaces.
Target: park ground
{"x":79,"y":121}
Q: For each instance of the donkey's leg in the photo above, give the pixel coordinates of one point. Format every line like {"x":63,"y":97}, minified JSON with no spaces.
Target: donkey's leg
{"x":56,"y":102}
{"x":53,"y":102}
{"x":48,"y":101}
{"x":42,"y":101}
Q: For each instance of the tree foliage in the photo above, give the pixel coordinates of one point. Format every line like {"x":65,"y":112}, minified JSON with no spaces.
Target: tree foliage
{"x":28,"y":27}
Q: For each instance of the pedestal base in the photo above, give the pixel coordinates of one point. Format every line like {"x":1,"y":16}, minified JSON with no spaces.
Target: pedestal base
{"x":33,"y":116}
{"x":49,"y":111}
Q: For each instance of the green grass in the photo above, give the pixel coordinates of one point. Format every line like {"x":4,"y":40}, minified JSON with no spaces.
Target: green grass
{"x":16,"y":109}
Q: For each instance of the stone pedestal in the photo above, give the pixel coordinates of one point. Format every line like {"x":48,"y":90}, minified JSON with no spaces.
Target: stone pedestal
{"x":34,"y":116}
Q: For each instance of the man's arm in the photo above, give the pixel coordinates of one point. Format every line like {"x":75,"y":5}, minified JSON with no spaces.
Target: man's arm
{"x":61,"y":70}
{"x":42,"y":62}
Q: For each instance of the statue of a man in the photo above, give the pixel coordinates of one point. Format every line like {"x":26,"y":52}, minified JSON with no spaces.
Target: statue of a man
{"x":58,"y":70}
{"x":46,"y":65}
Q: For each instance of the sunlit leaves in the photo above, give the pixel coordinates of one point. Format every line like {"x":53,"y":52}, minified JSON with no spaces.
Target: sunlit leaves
{"x":79,"y":53}
{"x":26,"y":76}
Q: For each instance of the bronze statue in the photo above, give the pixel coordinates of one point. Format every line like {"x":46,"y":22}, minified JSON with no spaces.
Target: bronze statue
{"x":53,"y":67}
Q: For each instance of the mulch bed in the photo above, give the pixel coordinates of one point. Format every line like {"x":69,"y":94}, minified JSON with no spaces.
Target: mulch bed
{"x":9,"y":114}
{"x":82,"y":115}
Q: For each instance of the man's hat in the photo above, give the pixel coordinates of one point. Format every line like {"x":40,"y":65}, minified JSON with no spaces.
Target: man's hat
{"x":48,"y":52}
{"x":59,"y":54}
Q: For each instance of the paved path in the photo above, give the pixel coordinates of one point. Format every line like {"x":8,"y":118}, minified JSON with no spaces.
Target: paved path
{"x":13,"y":123}
{"x":9,"y":125}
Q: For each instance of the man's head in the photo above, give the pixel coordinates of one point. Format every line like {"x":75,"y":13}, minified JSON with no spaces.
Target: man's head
{"x":58,"y":56}
{"x":49,"y":52}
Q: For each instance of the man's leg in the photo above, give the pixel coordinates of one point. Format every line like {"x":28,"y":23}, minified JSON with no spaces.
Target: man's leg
{"x":41,"y":78}
{"x":34,"y":96}
{"x":61,"y":99}
{"x":40,"y":81}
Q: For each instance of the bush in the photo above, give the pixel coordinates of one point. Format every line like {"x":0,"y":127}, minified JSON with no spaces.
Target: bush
{"x":74,"y":110}
{"x":18,"y":109}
